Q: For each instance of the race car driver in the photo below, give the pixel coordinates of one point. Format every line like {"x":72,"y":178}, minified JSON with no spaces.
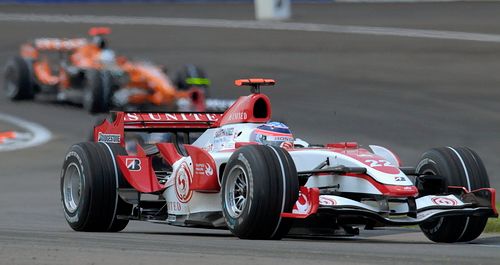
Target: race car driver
{"x":275,"y":134}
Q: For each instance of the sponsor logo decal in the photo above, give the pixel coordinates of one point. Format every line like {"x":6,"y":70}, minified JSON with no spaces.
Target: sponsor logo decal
{"x":203,"y":169}
{"x":133,"y":164}
{"x":174,"y":206}
{"x":238,"y":116}
{"x":327,"y":201}
{"x":399,"y":178}
{"x":283,"y":139}
{"x":109,"y":138}
{"x":377,"y":163}
{"x":183,"y":180}
{"x":444,"y":201}
{"x":224,"y":132}
{"x":223,"y":139}
{"x":172,"y":117}
{"x":208,"y":170}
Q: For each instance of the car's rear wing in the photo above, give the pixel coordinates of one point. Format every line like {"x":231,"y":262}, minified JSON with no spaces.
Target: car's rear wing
{"x":54,"y":44}
{"x":31,"y":49}
{"x":113,"y":131}
{"x":170,"y":120}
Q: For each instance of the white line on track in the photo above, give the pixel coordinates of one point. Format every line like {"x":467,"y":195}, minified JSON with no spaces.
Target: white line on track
{"x":484,"y":245}
{"x":250,"y":24}
{"x":40,"y":134}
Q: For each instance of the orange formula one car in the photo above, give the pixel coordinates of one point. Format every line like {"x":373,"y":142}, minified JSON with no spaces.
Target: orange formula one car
{"x":85,"y":71}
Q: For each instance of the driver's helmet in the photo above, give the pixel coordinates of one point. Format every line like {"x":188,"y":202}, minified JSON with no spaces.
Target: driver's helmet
{"x":274,"y":133}
{"x":100,"y":42}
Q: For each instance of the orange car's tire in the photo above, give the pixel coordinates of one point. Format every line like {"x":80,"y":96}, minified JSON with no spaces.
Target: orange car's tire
{"x":89,"y":183}
{"x":18,"y":81}
{"x":192,"y":76}
{"x":460,"y":166}
{"x":97,"y":91}
{"x":259,"y":183}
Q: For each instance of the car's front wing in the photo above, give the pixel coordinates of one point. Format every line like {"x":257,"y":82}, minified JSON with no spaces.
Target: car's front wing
{"x":398,"y":211}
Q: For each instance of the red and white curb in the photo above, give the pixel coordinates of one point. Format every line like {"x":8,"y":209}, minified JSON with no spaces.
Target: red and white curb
{"x":33,"y":134}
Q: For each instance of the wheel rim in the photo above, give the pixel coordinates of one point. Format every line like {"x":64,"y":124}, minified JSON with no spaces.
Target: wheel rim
{"x":72,"y":186}
{"x":236,"y":191}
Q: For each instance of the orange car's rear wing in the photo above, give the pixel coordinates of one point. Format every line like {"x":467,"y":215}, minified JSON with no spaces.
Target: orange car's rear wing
{"x":54,"y":44}
{"x":113,"y":131}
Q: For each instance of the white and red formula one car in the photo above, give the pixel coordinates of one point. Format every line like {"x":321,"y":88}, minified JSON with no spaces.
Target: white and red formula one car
{"x":211,"y":170}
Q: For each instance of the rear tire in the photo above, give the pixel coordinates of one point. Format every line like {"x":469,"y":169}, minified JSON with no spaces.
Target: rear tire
{"x":89,"y":182}
{"x":460,"y":166}
{"x":97,"y":91}
{"x":259,"y":183}
{"x":192,"y":76}
{"x":18,"y":80}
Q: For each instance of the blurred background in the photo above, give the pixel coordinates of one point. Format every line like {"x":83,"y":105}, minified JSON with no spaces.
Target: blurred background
{"x":407,"y":75}
{"x":344,"y":71}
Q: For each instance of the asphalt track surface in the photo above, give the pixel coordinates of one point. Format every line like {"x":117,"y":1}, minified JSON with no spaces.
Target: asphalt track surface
{"x":408,"y":94}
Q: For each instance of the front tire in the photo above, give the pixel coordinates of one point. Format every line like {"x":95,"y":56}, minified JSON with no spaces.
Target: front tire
{"x":259,"y":183}
{"x":18,"y":81}
{"x":460,"y":166}
{"x":89,"y":182}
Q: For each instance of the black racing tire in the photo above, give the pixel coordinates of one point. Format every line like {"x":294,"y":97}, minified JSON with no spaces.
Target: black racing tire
{"x":191,"y":71}
{"x":266,"y":176}
{"x":89,"y":181}
{"x":18,"y":79}
{"x":460,"y":166}
{"x":97,"y":91}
